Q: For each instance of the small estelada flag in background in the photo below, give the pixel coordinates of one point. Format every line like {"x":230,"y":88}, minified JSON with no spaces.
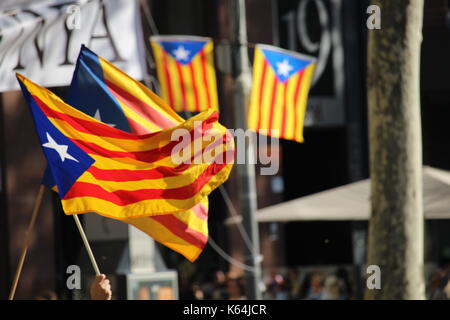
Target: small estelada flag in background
{"x":281,"y":83}
{"x":98,"y":168}
{"x":186,"y":74}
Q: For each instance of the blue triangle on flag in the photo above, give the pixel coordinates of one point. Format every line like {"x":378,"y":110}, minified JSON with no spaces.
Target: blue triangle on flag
{"x":183,"y":51}
{"x":67,"y":161}
{"x":283,"y":64}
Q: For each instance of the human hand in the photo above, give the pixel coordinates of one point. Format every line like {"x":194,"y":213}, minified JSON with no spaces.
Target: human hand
{"x":101,"y":288}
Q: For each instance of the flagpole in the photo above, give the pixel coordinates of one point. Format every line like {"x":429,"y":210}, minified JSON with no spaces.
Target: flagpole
{"x":86,"y":244}
{"x":245,"y":171}
{"x":36,"y":207}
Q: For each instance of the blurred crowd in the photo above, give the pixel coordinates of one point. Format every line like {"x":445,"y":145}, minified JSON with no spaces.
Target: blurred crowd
{"x":314,"y":285}
{"x":295,"y":285}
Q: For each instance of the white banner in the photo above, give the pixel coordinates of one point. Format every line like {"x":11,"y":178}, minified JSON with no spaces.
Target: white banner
{"x":42,"y":39}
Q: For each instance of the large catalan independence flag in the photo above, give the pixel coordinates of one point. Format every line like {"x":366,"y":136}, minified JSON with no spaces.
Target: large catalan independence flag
{"x":281,"y":82}
{"x":101,"y":90}
{"x":98,"y":168}
{"x":185,"y":68}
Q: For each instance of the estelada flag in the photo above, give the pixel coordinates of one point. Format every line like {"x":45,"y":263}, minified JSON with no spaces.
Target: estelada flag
{"x":122,"y":175}
{"x":281,"y":83}
{"x":186,"y":74}
{"x":104,"y":92}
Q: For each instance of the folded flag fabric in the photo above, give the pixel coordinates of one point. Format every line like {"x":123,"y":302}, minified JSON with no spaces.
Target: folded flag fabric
{"x":121,"y":175}
{"x":126,"y":104}
{"x":185,"y":69}
{"x":106,"y":93}
{"x":281,"y":83}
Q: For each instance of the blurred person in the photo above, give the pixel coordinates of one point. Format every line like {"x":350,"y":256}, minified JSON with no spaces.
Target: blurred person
{"x":294,"y":284}
{"x":101,"y":288}
{"x":433,"y":290}
{"x":447,"y":289}
{"x":220,"y":288}
{"x":278,"y":288}
{"x":235,"y":289}
{"x":46,"y":295}
{"x":315,"y":286}
{"x":198,"y":292}
{"x":439,"y":282}
{"x":344,"y":281}
{"x":185,"y":291}
{"x":332,"y":289}
{"x":143,"y":293}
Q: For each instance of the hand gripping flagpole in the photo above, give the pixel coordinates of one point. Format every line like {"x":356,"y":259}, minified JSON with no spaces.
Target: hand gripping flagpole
{"x":86,"y":244}
{"x":36,"y":207}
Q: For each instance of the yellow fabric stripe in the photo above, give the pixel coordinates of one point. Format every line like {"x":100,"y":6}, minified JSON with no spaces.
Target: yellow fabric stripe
{"x":267,"y":98}
{"x":188,"y":88}
{"x":211,"y":75}
{"x":139,"y":91}
{"x":163,"y":235}
{"x":143,"y":121}
{"x":158,"y":52}
{"x":278,"y":110}
{"x":254,"y":108}
{"x":188,"y":177}
{"x":302,"y":100}
{"x":290,"y":107}
{"x":176,"y":83}
{"x":142,"y":208}
{"x":201,"y":89}
{"x":133,"y":164}
{"x":191,"y":219}
{"x":158,"y":140}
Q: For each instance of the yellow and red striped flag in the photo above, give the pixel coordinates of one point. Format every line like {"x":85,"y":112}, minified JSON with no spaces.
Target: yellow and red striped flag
{"x":281,"y":82}
{"x":101,"y":90}
{"x":185,"y":68}
{"x":124,"y":176}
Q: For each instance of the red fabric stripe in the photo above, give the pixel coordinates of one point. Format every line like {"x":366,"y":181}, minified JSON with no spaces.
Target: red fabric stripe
{"x":98,"y":129}
{"x":261,"y":88}
{"x":272,"y":104}
{"x":120,"y":175}
{"x":194,"y":85}
{"x":168,"y":80}
{"x":283,"y":123}
{"x":181,"y":230}
{"x":145,"y":156}
{"x":181,"y":83}
{"x":126,"y":197}
{"x":297,"y":91}
{"x":91,"y":127}
{"x":143,"y":109}
{"x":205,"y":78}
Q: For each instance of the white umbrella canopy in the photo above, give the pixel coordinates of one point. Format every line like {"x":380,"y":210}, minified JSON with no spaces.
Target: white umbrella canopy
{"x":352,"y":202}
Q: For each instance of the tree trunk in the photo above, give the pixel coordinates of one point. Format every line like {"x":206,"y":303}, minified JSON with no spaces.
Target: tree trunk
{"x":396,"y":224}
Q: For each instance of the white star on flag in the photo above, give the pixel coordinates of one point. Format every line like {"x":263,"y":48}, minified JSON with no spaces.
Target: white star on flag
{"x":60,"y":148}
{"x":181,"y":53}
{"x":283,"y":68}
{"x":99,"y":118}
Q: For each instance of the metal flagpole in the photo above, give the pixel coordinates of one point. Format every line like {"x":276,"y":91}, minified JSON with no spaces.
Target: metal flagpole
{"x":246,"y":171}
